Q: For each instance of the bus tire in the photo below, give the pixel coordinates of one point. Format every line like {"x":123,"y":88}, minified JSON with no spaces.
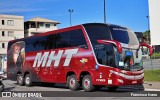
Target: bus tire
{"x":20,"y":80}
{"x":87,"y":83}
{"x":73,"y":84}
{"x":112,"y":88}
{"x":28,"y":80}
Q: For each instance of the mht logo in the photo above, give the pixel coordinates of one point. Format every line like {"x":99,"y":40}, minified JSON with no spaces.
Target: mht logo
{"x":42,"y":59}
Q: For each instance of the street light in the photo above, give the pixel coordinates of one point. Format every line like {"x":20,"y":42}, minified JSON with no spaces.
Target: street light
{"x":70,"y":11}
{"x":148,"y":29}
{"x":104,"y":11}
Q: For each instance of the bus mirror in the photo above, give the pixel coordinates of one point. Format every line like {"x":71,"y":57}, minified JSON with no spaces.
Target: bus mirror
{"x":116,"y":43}
{"x":149,"y":47}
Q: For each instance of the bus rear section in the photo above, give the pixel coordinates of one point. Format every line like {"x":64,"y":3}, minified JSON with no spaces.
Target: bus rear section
{"x":88,"y":55}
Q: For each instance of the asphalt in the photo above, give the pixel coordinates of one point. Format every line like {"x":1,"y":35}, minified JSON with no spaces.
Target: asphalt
{"x":150,"y":64}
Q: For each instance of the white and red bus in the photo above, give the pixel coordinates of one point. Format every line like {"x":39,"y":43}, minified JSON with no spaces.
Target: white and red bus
{"x":90,"y":55}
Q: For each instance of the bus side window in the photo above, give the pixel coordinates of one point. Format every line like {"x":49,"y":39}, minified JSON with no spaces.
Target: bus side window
{"x":76,"y":39}
{"x":36,"y":44}
{"x":62,"y":40}
{"x":50,"y":42}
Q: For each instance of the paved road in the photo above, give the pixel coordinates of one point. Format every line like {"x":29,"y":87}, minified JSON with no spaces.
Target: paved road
{"x":60,"y":92}
{"x":154,"y":62}
{"x":12,"y":86}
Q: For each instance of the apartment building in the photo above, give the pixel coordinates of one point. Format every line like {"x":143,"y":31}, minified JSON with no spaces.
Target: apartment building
{"x":39,"y":25}
{"x":11,"y":27}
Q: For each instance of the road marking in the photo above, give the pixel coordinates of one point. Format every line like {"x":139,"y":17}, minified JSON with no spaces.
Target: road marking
{"x":152,"y":89}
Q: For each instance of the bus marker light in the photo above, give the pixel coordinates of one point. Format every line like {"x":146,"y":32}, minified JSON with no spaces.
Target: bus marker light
{"x":100,"y":76}
{"x":96,"y":67}
{"x":84,"y":60}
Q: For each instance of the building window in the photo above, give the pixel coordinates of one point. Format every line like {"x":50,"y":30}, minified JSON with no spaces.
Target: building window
{"x":3,"y":45}
{"x":41,"y":24}
{"x":55,"y":24}
{"x":2,"y":22}
{"x":3,"y":33}
{"x":47,"y":25}
{"x":10,"y":22}
{"x":10,"y":33}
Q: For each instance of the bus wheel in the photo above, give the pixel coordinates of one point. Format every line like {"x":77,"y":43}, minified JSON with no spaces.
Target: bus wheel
{"x":87,"y":83}
{"x":73,"y":84}
{"x":28,"y":81}
{"x":20,"y":80}
{"x":112,"y":88}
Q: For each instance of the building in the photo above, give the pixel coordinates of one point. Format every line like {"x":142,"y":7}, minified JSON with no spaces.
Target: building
{"x":154,"y":21}
{"x":11,"y":27}
{"x":39,"y":25}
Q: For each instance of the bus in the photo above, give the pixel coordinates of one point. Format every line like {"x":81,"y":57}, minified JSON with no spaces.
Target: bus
{"x":91,"y":55}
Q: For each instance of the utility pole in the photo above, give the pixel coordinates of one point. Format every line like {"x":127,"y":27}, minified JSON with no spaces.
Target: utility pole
{"x":104,"y":11}
{"x":70,"y":12}
{"x":148,"y":29}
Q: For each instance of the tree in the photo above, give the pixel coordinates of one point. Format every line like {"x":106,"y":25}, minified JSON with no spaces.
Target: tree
{"x":146,"y":34}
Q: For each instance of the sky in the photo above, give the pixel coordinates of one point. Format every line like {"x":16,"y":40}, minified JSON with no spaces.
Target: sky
{"x":129,"y":13}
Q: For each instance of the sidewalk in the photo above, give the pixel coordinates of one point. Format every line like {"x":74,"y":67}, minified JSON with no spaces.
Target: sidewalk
{"x":151,"y":85}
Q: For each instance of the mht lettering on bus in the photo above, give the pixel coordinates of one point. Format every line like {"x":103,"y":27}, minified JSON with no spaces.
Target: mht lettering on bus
{"x":51,"y":56}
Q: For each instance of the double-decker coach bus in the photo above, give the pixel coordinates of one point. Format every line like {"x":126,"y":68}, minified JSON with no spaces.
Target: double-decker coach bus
{"x":90,"y":55}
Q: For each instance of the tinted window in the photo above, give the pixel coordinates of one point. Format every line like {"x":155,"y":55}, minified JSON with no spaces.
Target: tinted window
{"x":123,"y":35}
{"x":76,"y":39}
{"x":97,"y":32}
{"x":36,"y":43}
{"x":73,"y":38}
{"x":104,"y":52}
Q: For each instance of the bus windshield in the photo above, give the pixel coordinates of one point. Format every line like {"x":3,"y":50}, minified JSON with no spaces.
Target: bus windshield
{"x":123,"y":35}
{"x":106,"y":53}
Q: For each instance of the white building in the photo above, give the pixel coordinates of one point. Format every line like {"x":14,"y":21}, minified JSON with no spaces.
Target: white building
{"x":11,"y":27}
{"x":154,"y":20}
{"x":39,"y":25}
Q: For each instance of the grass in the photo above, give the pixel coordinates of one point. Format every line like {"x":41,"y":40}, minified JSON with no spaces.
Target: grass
{"x":156,"y":55}
{"x":152,"y":75}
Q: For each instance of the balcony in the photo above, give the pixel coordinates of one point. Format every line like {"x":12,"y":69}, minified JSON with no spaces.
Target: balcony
{"x":6,"y":38}
{"x":39,"y":30}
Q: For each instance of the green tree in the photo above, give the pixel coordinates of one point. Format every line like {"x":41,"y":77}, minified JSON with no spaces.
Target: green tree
{"x":146,"y":34}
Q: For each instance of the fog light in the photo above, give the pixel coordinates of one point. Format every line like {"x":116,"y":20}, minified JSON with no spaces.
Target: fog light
{"x":119,"y":80}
